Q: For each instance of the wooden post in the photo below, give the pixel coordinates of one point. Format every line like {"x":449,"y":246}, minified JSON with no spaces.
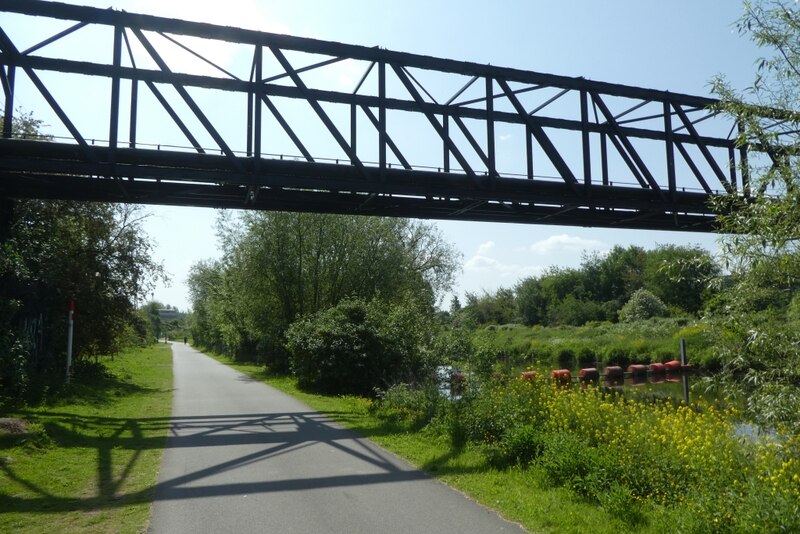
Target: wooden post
{"x":684,"y":375}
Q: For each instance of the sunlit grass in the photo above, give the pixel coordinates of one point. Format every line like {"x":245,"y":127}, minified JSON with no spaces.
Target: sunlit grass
{"x":90,"y":458}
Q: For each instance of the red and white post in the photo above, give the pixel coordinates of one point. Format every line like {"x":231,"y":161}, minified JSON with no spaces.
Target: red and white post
{"x":69,"y":337}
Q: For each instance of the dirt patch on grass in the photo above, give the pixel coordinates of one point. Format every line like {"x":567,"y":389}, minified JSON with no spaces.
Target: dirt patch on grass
{"x":10,"y":425}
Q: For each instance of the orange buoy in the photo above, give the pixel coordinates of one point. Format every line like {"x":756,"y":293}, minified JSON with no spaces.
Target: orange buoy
{"x":673,"y":366}
{"x":614,"y":375}
{"x":657,"y":373}
{"x":528,"y":375}
{"x":588,"y":375}
{"x":561,"y":377}
{"x":637,"y":370}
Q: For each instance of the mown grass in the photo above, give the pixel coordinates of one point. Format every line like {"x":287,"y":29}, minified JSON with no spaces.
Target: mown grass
{"x":89,"y":460}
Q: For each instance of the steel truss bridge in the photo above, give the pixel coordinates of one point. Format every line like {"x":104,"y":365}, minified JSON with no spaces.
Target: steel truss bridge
{"x":411,"y":136}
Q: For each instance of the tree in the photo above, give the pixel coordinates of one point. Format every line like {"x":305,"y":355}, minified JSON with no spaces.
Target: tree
{"x":642,"y":305}
{"x":679,"y":276}
{"x":357,"y":347}
{"x":489,"y":308}
{"x":279,"y":267}
{"x":575,"y":312}
{"x":54,"y":251}
{"x":531,"y":301}
{"x":759,"y":350}
{"x":604,"y":282}
{"x":615,"y":275}
{"x":152,"y":320}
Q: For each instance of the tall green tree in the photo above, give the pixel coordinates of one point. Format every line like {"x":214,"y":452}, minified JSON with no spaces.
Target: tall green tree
{"x":679,"y":275}
{"x":759,"y":344}
{"x":52,"y":252}
{"x":498,"y":307}
{"x":278,"y":267}
{"x":93,"y":253}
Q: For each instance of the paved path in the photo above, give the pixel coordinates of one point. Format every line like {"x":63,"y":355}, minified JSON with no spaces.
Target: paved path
{"x":244,"y":457}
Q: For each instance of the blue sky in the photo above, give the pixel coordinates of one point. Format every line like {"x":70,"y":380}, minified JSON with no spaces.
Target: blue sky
{"x":677,"y":46}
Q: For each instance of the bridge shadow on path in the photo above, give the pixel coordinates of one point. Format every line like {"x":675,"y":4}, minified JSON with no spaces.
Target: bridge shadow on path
{"x":274,"y":435}
{"x":260,"y":436}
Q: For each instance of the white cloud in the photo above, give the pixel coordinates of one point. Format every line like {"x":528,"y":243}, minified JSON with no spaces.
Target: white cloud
{"x":486,"y":265}
{"x":565,"y":242}
{"x":505,"y":137}
{"x":485,"y":248}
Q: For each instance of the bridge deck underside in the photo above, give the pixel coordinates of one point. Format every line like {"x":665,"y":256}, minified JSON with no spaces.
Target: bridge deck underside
{"x":32,"y":169}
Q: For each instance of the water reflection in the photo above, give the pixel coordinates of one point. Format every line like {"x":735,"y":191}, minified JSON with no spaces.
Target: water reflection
{"x":653,"y":381}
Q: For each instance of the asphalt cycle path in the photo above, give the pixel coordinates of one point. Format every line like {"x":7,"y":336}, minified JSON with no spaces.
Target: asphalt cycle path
{"x":243,"y":457}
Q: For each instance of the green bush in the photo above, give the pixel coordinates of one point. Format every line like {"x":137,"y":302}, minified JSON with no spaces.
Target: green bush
{"x":520,"y":445}
{"x":14,"y":379}
{"x":483,"y":360}
{"x":453,"y":346}
{"x":586,"y":357}
{"x":358,"y":347}
{"x":642,"y":305}
{"x":567,"y":460}
{"x":617,"y":355}
{"x":566,"y":358}
{"x":410,"y":407}
{"x":540,"y":350}
{"x":619,"y":502}
{"x":488,"y":411}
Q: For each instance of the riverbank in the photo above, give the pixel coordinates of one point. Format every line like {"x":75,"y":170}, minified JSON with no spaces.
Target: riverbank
{"x":559,"y":460}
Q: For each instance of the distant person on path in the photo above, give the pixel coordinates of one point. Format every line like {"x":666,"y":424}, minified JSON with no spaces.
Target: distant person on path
{"x":185,"y":339}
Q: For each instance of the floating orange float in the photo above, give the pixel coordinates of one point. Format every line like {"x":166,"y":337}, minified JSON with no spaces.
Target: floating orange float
{"x":637,"y":370}
{"x":638,"y":380}
{"x":614,"y":375}
{"x":657,"y":373}
{"x":528,"y":375}
{"x":561,"y":377}
{"x":588,"y":375}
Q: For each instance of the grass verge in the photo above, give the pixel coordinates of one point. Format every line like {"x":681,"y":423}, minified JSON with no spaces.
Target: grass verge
{"x":89,"y":461}
{"x":519,"y":495}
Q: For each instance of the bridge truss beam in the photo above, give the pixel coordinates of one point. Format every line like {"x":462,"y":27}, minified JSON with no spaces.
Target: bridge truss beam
{"x":613,"y":155}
